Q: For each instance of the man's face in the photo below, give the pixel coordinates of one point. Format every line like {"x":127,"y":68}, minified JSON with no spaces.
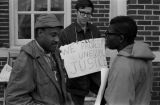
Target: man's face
{"x":113,"y":38}
{"x":50,"y":38}
{"x":84,"y":15}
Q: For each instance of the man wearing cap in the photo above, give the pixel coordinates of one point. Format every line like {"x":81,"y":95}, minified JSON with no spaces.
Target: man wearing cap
{"x":37,"y":77}
{"x":80,"y":30}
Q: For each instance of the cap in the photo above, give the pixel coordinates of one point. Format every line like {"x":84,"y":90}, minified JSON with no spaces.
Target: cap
{"x":47,"y":20}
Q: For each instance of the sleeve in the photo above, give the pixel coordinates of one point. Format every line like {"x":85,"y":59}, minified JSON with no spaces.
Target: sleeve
{"x":21,"y":83}
{"x":120,"y":90}
{"x":99,"y":33}
{"x":96,"y":31}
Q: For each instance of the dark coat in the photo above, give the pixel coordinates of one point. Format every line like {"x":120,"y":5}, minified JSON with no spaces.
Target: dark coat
{"x":32,"y":81}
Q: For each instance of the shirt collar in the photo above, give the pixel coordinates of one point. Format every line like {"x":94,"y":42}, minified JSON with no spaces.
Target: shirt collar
{"x":79,"y":28}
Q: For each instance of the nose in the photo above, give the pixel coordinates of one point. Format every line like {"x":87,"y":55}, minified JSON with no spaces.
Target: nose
{"x":56,"y":39}
{"x":85,"y":15}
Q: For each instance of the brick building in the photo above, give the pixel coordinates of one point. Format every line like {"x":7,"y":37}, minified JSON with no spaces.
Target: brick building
{"x":17,"y":16}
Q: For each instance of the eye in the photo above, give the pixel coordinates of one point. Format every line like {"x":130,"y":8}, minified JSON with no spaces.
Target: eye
{"x":83,"y":13}
{"x":54,"y":34}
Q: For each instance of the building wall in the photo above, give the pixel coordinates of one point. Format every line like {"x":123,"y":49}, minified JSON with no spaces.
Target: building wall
{"x":145,"y":12}
{"x":147,"y":15}
{"x":4,"y":34}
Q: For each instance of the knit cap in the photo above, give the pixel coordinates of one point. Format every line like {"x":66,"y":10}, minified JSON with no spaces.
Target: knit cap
{"x":47,"y":20}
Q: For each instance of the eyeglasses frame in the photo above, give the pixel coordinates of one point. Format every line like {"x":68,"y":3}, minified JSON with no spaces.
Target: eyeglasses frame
{"x":82,"y":13}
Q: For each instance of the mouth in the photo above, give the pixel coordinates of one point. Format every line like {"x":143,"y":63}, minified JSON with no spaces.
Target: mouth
{"x":54,"y":43}
{"x":53,"y":47}
{"x":84,"y":20}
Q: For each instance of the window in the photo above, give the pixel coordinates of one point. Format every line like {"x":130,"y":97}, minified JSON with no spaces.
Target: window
{"x":23,"y":14}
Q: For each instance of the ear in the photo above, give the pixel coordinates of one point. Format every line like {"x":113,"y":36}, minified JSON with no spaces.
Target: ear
{"x":76,"y":11}
{"x":40,"y":32}
{"x":122,"y":38}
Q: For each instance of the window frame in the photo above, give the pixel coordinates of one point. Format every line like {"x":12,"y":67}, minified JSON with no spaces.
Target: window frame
{"x":16,"y":43}
{"x":117,"y":7}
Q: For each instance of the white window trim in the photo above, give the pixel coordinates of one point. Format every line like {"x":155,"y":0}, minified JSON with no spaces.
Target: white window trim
{"x":118,"y":7}
{"x":13,"y":26}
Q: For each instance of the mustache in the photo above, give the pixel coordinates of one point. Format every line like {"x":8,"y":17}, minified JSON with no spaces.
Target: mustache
{"x":55,"y":42}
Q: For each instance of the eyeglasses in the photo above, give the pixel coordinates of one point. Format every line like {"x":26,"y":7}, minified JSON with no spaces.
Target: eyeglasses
{"x":112,"y":33}
{"x":82,"y":13}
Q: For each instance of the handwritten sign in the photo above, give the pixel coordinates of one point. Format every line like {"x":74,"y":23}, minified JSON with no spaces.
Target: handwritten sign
{"x":104,"y":76}
{"x":84,"y":57}
{"x":5,"y":73}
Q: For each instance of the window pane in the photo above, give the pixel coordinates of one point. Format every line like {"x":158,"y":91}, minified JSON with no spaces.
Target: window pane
{"x":60,"y":17}
{"x":24,"y":26}
{"x":57,"y":5}
{"x":24,"y":5}
{"x":40,"y":5}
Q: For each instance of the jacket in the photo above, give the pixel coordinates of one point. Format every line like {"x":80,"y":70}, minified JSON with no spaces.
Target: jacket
{"x":130,"y":76}
{"x":32,"y":82}
{"x":74,"y":33}
{"x":81,"y":85}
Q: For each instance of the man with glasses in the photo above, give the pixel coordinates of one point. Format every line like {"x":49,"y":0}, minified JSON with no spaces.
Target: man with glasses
{"x":130,"y":76}
{"x":81,"y":30}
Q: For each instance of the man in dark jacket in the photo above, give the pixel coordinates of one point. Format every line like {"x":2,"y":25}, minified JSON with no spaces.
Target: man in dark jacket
{"x":37,"y":77}
{"x":80,"y":30}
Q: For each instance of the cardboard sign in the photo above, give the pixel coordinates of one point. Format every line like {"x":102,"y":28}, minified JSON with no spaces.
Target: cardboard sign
{"x":104,"y":76}
{"x":84,"y":57}
{"x":5,"y":73}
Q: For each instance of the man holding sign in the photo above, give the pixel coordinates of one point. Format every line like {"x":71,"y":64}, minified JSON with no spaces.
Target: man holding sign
{"x":81,"y":30}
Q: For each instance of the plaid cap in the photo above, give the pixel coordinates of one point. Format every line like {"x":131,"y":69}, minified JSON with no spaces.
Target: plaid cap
{"x":47,"y":20}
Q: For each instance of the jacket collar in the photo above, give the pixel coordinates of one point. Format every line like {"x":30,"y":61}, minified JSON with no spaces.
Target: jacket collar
{"x":34,"y":51}
{"x":126,"y":51}
{"x":79,"y":28}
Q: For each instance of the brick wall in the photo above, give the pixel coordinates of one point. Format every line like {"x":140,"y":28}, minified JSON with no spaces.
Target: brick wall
{"x":2,"y":85}
{"x":147,"y":15}
{"x":4,"y":34}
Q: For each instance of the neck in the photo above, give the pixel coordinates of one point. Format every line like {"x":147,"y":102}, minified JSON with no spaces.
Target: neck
{"x":83,"y":26}
{"x":123,"y":45}
{"x":40,"y":45}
